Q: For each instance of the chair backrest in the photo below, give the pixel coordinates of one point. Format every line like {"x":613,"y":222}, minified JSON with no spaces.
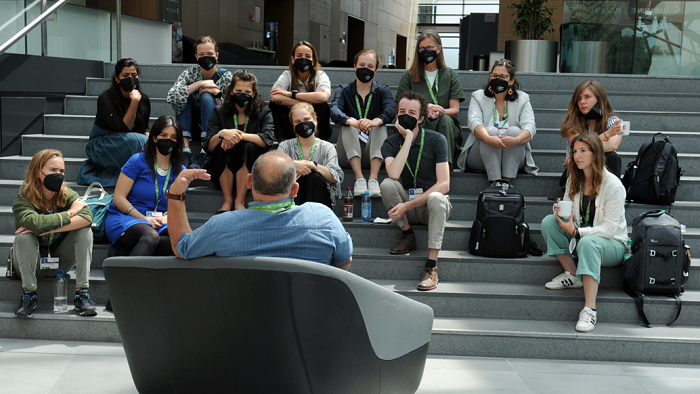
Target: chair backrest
{"x":255,"y":324}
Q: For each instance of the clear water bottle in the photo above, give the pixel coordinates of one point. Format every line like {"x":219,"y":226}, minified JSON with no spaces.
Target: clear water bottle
{"x":628,"y":254}
{"x":366,"y":207}
{"x":60,"y":292}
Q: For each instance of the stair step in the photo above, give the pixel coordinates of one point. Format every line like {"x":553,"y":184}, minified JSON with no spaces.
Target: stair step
{"x":87,"y":105}
{"x":516,"y":301}
{"x":558,"y":340}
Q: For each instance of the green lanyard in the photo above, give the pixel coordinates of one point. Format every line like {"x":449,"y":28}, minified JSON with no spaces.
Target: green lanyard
{"x":235,"y":120}
{"x":311,"y":153}
{"x":201,"y":76}
{"x":437,"y":87}
{"x":165,"y":186}
{"x":495,"y":112}
{"x":50,"y":240}
{"x":275,"y":207}
{"x":588,"y":208}
{"x":359,"y":109}
{"x":420,"y":154}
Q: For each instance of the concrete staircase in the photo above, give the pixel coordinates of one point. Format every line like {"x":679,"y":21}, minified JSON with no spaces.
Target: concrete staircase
{"x":483,"y":306}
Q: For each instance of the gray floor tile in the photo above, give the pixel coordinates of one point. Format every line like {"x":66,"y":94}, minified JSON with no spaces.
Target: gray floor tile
{"x":102,"y":349}
{"x":546,"y":383}
{"x":460,"y":381}
{"x":663,"y":370}
{"x":659,"y":385}
{"x":40,"y":346}
{"x":29,"y":380}
{"x":564,"y":367}
{"x":468,"y":363}
{"x":101,"y":374}
{"x":16,"y":360}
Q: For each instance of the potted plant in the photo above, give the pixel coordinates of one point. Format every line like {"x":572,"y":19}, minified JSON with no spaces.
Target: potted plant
{"x":532,"y":53}
{"x":584,"y":37}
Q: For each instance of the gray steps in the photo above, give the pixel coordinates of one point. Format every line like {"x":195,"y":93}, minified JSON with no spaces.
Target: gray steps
{"x":87,"y":105}
{"x":512,"y":301}
{"x":683,"y":141}
{"x":559,"y":341}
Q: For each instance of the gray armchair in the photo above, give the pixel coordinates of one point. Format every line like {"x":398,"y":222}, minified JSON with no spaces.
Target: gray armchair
{"x":264,"y":325}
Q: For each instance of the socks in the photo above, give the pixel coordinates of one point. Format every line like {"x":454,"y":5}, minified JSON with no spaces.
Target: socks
{"x":431,"y":264}
{"x":407,"y":232}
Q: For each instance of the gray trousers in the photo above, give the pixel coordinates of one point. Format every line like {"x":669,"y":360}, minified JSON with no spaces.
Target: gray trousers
{"x":435,"y":213}
{"x":74,"y":251}
{"x":498,"y":163}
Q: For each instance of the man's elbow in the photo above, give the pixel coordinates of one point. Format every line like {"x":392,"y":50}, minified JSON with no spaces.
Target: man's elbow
{"x":344,"y":265}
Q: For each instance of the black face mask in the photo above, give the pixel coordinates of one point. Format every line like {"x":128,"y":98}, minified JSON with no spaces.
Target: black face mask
{"x":129,"y":84}
{"x":498,"y":85}
{"x":207,"y":62}
{"x":53,"y":182}
{"x":303,"y":65}
{"x":595,"y":113}
{"x":428,"y":56}
{"x":364,"y":74}
{"x":242,"y":99}
{"x":166,"y":146}
{"x":305,"y":129}
{"x":407,"y":121}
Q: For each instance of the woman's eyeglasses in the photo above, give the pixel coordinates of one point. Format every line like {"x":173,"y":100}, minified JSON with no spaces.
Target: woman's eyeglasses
{"x":423,"y":49}
{"x":504,"y":77}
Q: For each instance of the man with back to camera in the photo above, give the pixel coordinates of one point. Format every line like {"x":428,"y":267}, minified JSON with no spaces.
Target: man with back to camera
{"x":418,"y":183}
{"x":272,"y":225}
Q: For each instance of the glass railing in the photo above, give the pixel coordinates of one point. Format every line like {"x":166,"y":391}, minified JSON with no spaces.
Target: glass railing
{"x":659,"y":38}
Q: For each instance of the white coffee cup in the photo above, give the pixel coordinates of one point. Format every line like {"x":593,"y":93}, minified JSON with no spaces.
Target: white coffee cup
{"x":564,"y":209}
{"x":625,"y":127}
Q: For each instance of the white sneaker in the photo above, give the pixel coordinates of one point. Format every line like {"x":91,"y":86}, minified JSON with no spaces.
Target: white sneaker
{"x":360,"y":187}
{"x":373,"y":186}
{"x":564,"y":281}
{"x":586,"y":320}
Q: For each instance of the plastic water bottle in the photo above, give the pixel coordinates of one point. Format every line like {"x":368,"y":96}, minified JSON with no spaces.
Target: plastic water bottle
{"x":60,"y":292}
{"x":366,"y":207}
{"x":628,"y":254}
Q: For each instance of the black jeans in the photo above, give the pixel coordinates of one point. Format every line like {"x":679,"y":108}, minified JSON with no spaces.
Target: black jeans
{"x":313,"y":188}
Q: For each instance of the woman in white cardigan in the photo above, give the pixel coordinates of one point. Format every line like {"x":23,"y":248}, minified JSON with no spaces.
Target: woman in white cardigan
{"x":502,"y":125}
{"x":596,"y":228}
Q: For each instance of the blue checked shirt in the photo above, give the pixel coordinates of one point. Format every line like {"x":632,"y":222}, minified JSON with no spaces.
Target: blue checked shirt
{"x":309,"y":232}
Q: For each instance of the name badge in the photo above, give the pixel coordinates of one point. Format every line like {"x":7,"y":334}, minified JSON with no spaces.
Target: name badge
{"x":48,"y":263}
{"x":364,"y":137}
{"x":414,"y":193}
{"x":151,"y":214}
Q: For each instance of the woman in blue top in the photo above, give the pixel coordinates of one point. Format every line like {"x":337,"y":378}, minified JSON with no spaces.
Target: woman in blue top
{"x":136,"y":218}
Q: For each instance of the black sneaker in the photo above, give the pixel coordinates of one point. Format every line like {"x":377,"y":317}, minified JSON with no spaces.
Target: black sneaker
{"x":27,"y":304}
{"x":84,"y":304}
{"x":187,"y":159}
{"x":199,"y":161}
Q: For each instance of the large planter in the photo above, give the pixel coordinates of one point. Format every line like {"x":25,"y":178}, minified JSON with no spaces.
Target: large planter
{"x":584,"y":57}
{"x":532,"y":55}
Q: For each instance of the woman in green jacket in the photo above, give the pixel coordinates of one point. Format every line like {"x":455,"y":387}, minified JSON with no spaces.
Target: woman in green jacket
{"x":430,"y":77}
{"x":51,"y":221}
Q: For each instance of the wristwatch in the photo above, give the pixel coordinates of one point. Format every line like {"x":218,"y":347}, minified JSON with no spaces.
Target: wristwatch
{"x":171,"y":196}
{"x":218,"y":135}
{"x":294,"y":94}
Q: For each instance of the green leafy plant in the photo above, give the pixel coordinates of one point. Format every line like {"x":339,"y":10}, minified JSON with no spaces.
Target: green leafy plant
{"x":591,"y":19}
{"x":532,"y":19}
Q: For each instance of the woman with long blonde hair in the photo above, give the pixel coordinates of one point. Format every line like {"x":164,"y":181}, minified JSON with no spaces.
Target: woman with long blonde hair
{"x":304,"y":82}
{"x":596,"y":230}
{"x":52,"y":231}
{"x":430,"y":77}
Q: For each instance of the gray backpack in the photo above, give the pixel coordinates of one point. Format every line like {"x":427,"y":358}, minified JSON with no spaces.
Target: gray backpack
{"x":660,"y":261}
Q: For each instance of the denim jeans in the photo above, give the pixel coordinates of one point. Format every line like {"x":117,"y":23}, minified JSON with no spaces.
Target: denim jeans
{"x":197,"y":113}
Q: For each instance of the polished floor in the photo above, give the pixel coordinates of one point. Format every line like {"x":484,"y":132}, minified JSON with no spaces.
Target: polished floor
{"x":36,"y":366}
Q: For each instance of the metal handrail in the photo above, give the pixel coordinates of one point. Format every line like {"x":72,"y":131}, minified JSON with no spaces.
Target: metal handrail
{"x":14,"y":18}
{"x":31,"y":25}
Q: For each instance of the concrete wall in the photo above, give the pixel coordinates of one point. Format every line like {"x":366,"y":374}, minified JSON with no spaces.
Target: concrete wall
{"x":321,"y":22}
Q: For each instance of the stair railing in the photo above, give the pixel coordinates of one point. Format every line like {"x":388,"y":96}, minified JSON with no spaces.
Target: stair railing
{"x":46,"y":13}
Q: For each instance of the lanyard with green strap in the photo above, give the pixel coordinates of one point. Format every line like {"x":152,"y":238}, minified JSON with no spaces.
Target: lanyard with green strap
{"x":235,"y":120}
{"x":495,"y":112}
{"x":275,"y":207}
{"x":420,"y":154}
{"x":588,"y":208}
{"x":165,"y":186}
{"x":359,"y":108}
{"x":311,"y":153}
{"x":437,"y":87}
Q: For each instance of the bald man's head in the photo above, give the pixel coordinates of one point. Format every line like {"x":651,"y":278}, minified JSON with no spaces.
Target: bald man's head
{"x":273,"y":174}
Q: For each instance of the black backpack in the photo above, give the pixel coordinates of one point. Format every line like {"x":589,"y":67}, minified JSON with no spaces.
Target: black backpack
{"x":500,"y":229}
{"x":654,"y":175}
{"x":660,"y":261}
